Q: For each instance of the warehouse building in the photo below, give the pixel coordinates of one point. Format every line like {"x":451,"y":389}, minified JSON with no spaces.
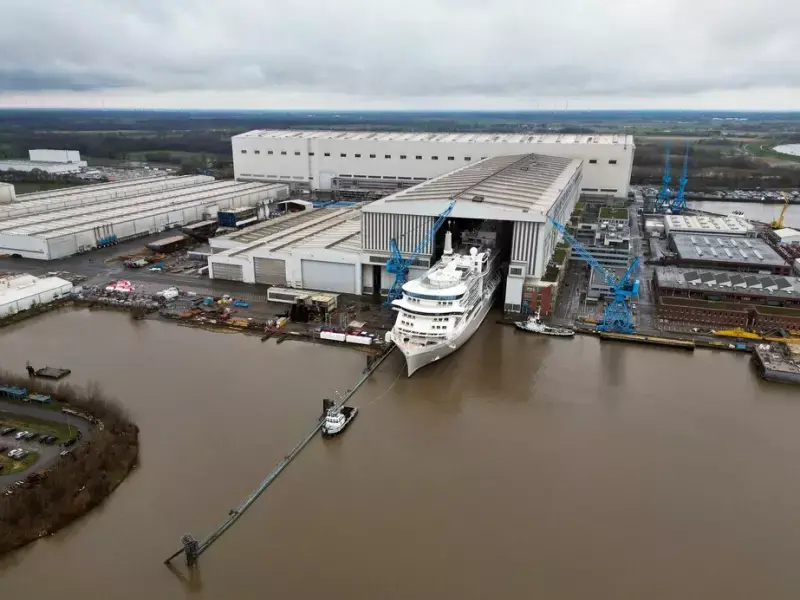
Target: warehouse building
{"x":787,"y":236}
{"x":725,"y":252}
{"x":86,"y":223}
{"x":720,"y":286}
{"x":379,"y":163}
{"x":53,"y":200}
{"x":314,"y":249}
{"x":55,"y":162}
{"x":22,"y":292}
{"x":729,"y":225}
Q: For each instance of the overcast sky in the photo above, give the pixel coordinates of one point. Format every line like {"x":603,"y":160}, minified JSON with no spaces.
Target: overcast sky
{"x":409,"y":54}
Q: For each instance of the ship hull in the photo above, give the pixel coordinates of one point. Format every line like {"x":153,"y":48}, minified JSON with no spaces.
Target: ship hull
{"x":417,"y":357}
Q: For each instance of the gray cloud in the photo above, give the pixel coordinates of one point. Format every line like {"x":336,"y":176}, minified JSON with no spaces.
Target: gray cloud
{"x":412,"y":48}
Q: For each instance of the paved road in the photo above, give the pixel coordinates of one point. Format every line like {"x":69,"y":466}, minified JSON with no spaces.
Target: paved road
{"x":49,"y":454}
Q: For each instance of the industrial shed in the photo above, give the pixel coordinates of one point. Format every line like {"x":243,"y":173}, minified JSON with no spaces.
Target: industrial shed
{"x":22,"y":292}
{"x":315,"y":250}
{"x":368,"y":162}
{"x":48,"y":233}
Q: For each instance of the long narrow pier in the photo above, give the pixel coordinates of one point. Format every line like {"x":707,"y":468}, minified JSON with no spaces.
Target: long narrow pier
{"x":193,"y":549}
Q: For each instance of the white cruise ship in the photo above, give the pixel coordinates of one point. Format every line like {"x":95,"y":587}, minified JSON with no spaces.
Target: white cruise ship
{"x":441,"y":310}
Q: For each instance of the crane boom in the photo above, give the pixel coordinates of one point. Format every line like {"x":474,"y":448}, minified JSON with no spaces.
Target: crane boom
{"x":617,"y":314}
{"x":778,"y":223}
{"x":679,"y":203}
{"x":398,"y":266}
{"x":662,"y":200}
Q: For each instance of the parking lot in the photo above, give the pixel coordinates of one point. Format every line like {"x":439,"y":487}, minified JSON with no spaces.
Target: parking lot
{"x":29,"y":431}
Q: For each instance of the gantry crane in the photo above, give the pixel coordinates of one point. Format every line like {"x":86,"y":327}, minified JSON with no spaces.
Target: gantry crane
{"x":679,"y":202}
{"x":398,"y":266}
{"x":617,"y":314}
{"x":778,"y":223}
{"x":662,"y":200}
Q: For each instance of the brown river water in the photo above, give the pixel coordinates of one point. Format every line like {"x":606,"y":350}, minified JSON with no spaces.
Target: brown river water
{"x":520,"y":467}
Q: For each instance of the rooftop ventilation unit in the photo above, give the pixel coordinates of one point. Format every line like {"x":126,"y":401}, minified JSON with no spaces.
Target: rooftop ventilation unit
{"x":477,"y":198}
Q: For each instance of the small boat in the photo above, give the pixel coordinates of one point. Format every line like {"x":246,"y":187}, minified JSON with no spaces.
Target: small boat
{"x":336,"y":417}
{"x":534,"y":325}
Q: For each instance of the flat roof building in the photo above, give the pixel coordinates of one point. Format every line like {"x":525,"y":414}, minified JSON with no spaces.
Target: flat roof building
{"x":729,"y":225}
{"x":728,"y":286}
{"x":381,"y":162}
{"x":726,"y":252}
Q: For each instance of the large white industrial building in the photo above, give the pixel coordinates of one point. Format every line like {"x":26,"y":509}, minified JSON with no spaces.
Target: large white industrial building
{"x":7,"y":193}
{"x":54,"y":162}
{"x":56,"y":224}
{"x":345,"y":249}
{"x":369,"y":161}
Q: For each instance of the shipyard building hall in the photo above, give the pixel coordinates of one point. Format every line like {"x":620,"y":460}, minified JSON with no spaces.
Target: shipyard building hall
{"x":346,"y":249}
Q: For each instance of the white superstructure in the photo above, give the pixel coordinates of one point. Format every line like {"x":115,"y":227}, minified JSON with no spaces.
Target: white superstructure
{"x":323,"y":160}
{"x":440,"y":311}
{"x":22,"y":292}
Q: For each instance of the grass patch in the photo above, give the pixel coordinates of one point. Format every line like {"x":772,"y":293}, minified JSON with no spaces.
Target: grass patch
{"x":608,"y":212}
{"x":560,"y":253}
{"x":59,"y":428}
{"x":11,"y":466}
{"x":765,"y":150}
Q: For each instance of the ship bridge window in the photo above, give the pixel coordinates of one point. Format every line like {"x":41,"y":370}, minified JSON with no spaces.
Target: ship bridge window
{"x":427,"y":297}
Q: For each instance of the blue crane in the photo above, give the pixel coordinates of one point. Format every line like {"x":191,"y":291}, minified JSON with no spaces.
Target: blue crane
{"x":617,"y":314}
{"x":398,"y":266}
{"x":662,"y":200}
{"x":679,"y":203}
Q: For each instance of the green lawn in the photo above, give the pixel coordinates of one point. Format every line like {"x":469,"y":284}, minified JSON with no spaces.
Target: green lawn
{"x":61,"y":428}
{"x":11,"y":466}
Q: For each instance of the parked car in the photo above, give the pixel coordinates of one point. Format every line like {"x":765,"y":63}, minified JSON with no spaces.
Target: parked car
{"x":47,"y":439}
{"x":7,"y":430}
{"x":21,"y":435}
{"x":69,"y":443}
{"x":31,"y":436}
{"x":3,"y":449}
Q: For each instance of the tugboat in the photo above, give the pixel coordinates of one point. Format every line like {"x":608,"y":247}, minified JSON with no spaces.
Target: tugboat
{"x":336,"y":417}
{"x":534,"y":325}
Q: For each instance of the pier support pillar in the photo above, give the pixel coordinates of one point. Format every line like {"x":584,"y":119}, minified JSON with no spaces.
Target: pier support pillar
{"x":190,"y":549}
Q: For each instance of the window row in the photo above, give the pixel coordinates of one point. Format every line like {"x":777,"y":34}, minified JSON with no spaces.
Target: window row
{"x":358,"y":155}
{"x":611,"y":161}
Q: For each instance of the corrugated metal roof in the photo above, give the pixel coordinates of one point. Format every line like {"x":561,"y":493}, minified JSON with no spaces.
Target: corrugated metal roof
{"x":324,"y":228}
{"x":715,"y":281}
{"x":521,"y":182}
{"x":467,"y":138}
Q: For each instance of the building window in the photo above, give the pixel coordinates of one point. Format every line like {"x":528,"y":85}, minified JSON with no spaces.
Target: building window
{"x":484,"y":157}
{"x":244,"y":151}
{"x":592,"y":161}
{"x":418,"y":157}
{"x":327,"y":154}
{"x":402,"y":157}
{"x":467,"y":158}
{"x":343,"y":155}
{"x":387,"y":156}
{"x":269,"y":151}
{"x":612,"y":162}
{"x":311,"y":154}
{"x":283,"y":152}
{"x":372,"y":156}
{"x":297,"y":154}
{"x":451,"y":158}
{"x":258,"y":151}
{"x":357,"y":155}
{"x":434,"y":158}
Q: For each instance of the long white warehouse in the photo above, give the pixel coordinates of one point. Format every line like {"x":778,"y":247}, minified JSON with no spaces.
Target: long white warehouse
{"x":87,"y":223}
{"x":325,"y":160}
